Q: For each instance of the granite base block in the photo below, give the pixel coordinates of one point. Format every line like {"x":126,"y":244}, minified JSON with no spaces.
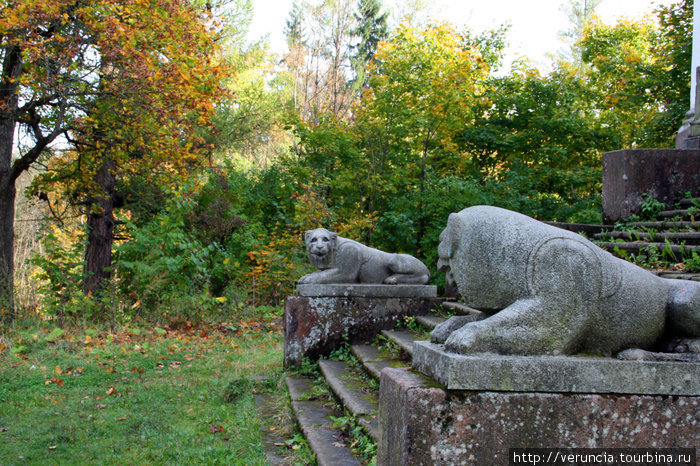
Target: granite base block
{"x":422,"y":423}
{"x":316,"y":325}
{"x":361,"y":290}
{"x":555,"y":374}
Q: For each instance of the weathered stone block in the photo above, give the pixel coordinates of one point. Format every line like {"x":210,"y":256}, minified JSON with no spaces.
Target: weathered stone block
{"x":667,"y":174}
{"x":422,"y":423}
{"x":368,"y":291}
{"x":315,"y":325}
{"x":566,"y":374}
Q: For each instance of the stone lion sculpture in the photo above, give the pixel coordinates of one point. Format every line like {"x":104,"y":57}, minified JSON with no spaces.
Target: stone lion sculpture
{"x":550,"y":291}
{"x":343,"y":260}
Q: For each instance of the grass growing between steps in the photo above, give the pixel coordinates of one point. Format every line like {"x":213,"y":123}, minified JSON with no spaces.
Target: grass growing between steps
{"x":139,"y":395}
{"x":356,"y":438}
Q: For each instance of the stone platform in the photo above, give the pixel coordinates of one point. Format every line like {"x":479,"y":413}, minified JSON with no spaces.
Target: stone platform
{"x":324,"y":316}
{"x":423,"y":423}
{"x":555,"y":374}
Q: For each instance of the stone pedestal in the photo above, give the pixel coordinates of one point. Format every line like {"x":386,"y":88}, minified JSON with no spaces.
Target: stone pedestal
{"x":323,"y":316}
{"x":532,"y":402}
{"x":667,"y":174}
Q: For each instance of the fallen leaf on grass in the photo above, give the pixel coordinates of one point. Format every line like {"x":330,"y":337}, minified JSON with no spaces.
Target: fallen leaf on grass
{"x":55,"y":380}
{"x":4,"y":429}
{"x":110,"y":390}
{"x":100,"y":406}
{"x":52,"y":447}
{"x":121,"y":419}
{"x":213,"y":429}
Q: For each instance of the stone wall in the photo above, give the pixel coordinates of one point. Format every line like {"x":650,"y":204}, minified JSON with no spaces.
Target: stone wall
{"x":666,"y":174}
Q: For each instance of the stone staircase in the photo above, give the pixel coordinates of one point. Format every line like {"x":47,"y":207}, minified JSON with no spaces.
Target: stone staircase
{"x":673,"y":236}
{"x":348,"y":388}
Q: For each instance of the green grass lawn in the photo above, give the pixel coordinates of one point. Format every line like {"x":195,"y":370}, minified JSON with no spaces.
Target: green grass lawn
{"x":140,"y":396}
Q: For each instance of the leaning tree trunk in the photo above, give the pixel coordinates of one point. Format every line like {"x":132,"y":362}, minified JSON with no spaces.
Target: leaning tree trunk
{"x":98,"y":251}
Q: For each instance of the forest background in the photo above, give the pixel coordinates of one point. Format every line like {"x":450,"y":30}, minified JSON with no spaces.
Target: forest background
{"x":156,"y":166}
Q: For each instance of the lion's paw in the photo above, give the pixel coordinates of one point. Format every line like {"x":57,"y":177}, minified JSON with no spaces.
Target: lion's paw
{"x":464,"y":340}
{"x":392,"y":280}
{"x":443,"y":330}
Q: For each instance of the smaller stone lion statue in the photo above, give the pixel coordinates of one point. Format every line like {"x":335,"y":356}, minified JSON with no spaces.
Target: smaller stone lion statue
{"x":343,"y":260}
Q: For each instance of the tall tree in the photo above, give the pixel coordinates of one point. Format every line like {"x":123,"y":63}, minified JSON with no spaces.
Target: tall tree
{"x":319,"y":40}
{"x":638,"y":74}
{"x":47,"y":67}
{"x":581,"y":14}
{"x":142,"y":86}
{"x":423,"y":88}
{"x":371,"y":28}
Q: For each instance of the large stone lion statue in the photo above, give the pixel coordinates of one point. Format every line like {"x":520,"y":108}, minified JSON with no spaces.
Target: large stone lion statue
{"x":343,"y":260}
{"x":550,"y":291}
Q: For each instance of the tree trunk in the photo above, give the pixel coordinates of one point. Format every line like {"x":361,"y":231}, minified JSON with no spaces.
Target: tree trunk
{"x":98,"y":251}
{"x":7,"y":235}
{"x":9,"y":85}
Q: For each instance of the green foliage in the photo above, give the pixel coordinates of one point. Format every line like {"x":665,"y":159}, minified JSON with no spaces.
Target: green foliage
{"x":692,"y":263}
{"x":650,"y":207}
{"x":59,"y":272}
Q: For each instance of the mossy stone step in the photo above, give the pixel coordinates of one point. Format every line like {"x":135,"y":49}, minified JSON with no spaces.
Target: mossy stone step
{"x":690,"y":202}
{"x":314,"y":419}
{"x":689,"y":238}
{"x":403,"y":338}
{"x":637,"y":246}
{"x":459,"y":308}
{"x":665,"y":225}
{"x":430,"y":321}
{"x":375,"y":359}
{"x":273,"y":442}
{"x":354,"y":393}
{"x":683,"y":213}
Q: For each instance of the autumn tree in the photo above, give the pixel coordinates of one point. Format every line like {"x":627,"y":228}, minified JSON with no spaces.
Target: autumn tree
{"x":639,"y":74}
{"x":47,"y":77}
{"x":127,"y":83}
{"x":424,"y":84}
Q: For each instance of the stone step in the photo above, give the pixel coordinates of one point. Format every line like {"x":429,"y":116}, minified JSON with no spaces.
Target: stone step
{"x":689,"y":238}
{"x":586,"y":228}
{"x":637,"y":246}
{"x":694,"y":276}
{"x":682,"y":213}
{"x":273,"y":442}
{"x":430,"y":321}
{"x":459,"y":308}
{"x":354,"y":393}
{"x":664,"y":225}
{"x":375,"y":359}
{"x":403,"y":338}
{"x":691,"y":202}
{"x":314,"y":419}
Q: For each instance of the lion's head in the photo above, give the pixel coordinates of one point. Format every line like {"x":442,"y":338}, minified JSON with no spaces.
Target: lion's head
{"x":321,"y":244}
